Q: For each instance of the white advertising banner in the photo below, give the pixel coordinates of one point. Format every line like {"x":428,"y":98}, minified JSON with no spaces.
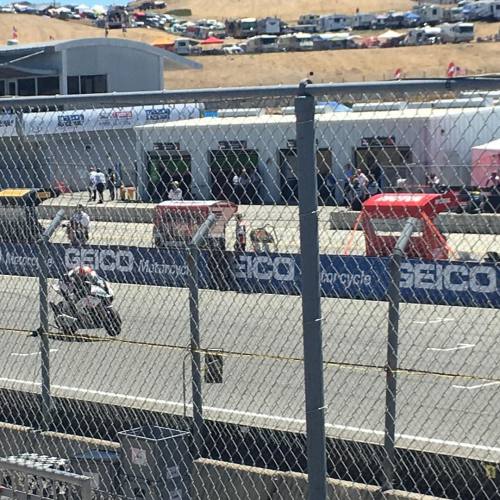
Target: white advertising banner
{"x":88,"y":120}
{"x":7,"y":125}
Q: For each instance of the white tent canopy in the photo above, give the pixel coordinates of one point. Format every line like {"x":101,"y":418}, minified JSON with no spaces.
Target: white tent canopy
{"x":390,"y":34}
{"x":99,"y":9}
{"x":485,"y":160}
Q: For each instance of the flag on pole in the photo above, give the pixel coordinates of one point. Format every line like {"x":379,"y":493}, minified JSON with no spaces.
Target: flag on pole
{"x":451,"y":72}
{"x":14,"y":32}
{"x":397,"y":74}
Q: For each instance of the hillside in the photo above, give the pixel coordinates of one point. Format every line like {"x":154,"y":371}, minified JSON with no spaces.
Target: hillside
{"x":289,"y":68}
{"x":336,"y":65}
{"x":290,"y":10}
{"x":39,"y":29}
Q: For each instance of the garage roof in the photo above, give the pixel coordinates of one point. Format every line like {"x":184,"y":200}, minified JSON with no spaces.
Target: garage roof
{"x":10,"y":52}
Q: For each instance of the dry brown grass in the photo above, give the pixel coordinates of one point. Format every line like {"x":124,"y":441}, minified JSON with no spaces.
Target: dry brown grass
{"x":336,"y":66}
{"x":40,"y":29}
{"x":330,"y":66}
{"x":290,"y":10}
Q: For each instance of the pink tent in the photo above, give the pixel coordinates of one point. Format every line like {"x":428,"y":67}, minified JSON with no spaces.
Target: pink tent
{"x":485,"y":159}
{"x":211,"y":40}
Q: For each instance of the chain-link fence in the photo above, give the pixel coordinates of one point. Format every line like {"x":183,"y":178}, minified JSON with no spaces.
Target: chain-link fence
{"x":233,"y":268}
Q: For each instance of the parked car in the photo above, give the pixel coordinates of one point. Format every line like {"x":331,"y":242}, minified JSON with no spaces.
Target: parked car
{"x":232,"y":49}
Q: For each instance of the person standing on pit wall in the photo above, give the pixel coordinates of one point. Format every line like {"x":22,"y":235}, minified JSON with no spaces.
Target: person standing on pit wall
{"x":362,"y":184}
{"x":78,"y":227}
{"x":100,"y":184}
{"x":92,"y":184}
{"x":111,"y":184}
{"x":493,"y":181}
{"x":241,"y":234}
{"x":175,"y":192}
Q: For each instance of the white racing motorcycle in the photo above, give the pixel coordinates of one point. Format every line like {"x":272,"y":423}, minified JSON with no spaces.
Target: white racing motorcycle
{"x":87,"y":303}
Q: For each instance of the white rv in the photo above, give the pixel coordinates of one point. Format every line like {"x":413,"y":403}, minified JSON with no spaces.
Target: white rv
{"x":362,"y":21}
{"x":457,"y":33}
{"x":478,"y":11}
{"x":308,"y":19}
{"x":334,"y":22}
{"x":453,"y":15}
{"x":430,"y":13}
{"x":269,"y":26}
{"x":262,"y":43}
{"x":422,"y":36}
{"x":495,"y":10}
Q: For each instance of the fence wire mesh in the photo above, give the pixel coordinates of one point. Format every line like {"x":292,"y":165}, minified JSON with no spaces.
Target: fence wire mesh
{"x":134,"y":332}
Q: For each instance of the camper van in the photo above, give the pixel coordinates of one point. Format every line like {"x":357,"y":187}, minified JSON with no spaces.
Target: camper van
{"x":430,"y":13}
{"x":269,"y":26}
{"x":186,"y":47}
{"x":479,"y":11}
{"x":457,"y":33}
{"x":308,"y":19}
{"x":422,"y":36}
{"x":334,"y":22}
{"x":242,"y":28}
{"x":262,"y":43}
{"x":453,"y":15}
{"x":362,"y":21}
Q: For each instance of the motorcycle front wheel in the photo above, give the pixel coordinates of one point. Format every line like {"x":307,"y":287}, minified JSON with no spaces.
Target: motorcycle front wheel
{"x":112,"y":323}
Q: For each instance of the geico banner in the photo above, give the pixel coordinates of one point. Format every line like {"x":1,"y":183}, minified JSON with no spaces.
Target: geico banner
{"x":88,"y":120}
{"x":354,"y":277}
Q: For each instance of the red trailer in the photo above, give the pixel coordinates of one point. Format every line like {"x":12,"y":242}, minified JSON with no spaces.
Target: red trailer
{"x":176,"y":222}
{"x":384,"y":215}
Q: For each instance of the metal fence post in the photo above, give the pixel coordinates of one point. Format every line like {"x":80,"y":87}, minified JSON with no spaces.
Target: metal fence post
{"x":194,"y":325}
{"x":311,"y":296}
{"x":44,"y":337}
{"x":393,"y":297}
{"x":43,"y":331}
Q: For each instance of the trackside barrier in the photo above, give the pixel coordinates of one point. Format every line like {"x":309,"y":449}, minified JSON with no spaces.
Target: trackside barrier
{"x":454,"y":283}
{"x":231,"y":481}
{"x":473,"y":477}
{"x":27,"y":479}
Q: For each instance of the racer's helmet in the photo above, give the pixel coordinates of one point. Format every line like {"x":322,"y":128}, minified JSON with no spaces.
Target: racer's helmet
{"x":81,"y":277}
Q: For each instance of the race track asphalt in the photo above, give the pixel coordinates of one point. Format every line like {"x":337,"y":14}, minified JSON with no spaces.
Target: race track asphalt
{"x":448,"y":386}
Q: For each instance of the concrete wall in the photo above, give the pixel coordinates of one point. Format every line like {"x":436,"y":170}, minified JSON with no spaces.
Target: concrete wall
{"x":17,"y":439}
{"x":211,"y":479}
{"x":227,"y":481}
{"x":40,"y":161}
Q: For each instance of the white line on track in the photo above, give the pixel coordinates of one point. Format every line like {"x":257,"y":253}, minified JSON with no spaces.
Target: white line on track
{"x":25,"y":354}
{"x":477,"y":386}
{"x":433,"y":321}
{"x":136,"y":399}
{"x":450,"y":349}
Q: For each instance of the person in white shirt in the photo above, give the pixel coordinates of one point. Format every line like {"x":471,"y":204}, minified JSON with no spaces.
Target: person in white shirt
{"x":175,"y":192}
{"x":362,"y":184}
{"x":100,"y":184}
{"x":92,"y":184}
{"x":240,"y":233}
